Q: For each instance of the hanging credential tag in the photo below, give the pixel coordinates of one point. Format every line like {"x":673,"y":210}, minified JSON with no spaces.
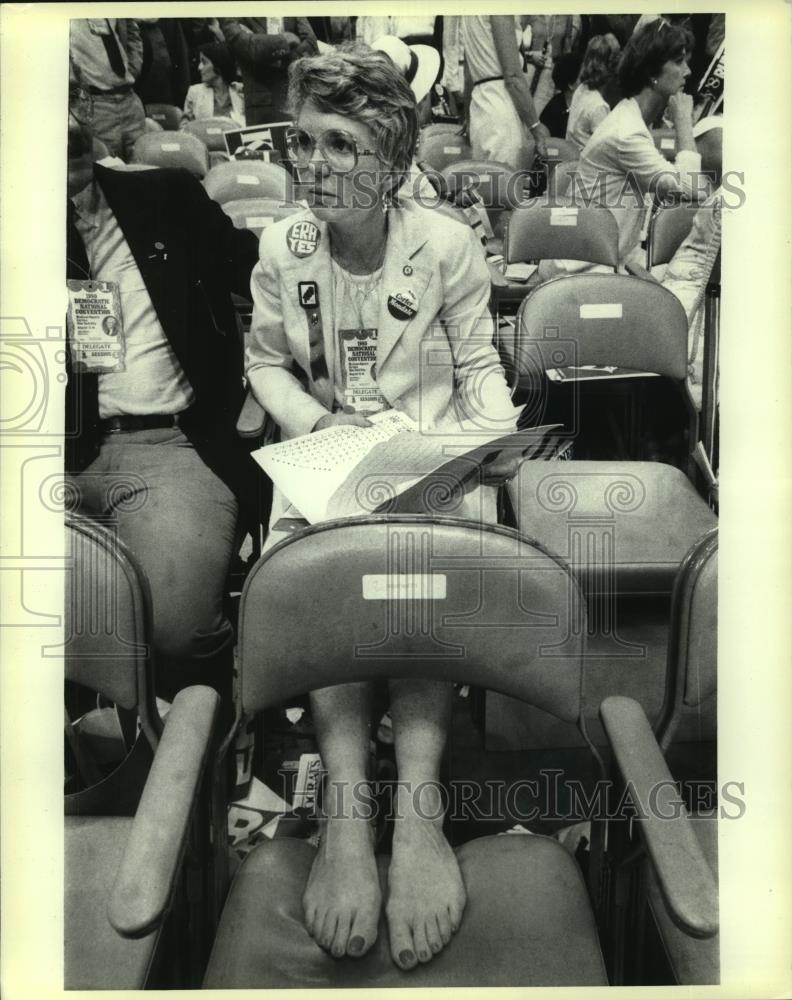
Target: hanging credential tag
{"x":359,"y":370}
{"x":96,"y":332}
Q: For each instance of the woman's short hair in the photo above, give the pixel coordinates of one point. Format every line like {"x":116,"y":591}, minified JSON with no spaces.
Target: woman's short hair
{"x":600,"y":61}
{"x":646,"y":53}
{"x":366,"y":87}
{"x":218,"y":55}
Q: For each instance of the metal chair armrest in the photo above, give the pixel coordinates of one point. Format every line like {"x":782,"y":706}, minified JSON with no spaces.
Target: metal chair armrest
{"x":686,"y":882}
{"x":143,"y":889}
{"x":253,"y":420}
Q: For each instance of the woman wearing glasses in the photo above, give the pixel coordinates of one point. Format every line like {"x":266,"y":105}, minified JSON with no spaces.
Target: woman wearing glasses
{"x":359,"y":263}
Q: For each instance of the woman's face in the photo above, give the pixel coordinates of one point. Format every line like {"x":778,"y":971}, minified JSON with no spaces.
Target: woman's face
{"x":206,"y":69}
{"x":672,"y":76}
{"x":332,"y":192}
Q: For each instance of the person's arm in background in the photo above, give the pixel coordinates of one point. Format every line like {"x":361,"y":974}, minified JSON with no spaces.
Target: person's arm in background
{"x":180,"y":58}
{"x":233,"y":251}
{"x":188,"y":114}
{"x":503,"y":33}
{"x":133,"y":44}
{"x":252,"y":49}
{"x":301,"y":27}
{"x":654,"y":174}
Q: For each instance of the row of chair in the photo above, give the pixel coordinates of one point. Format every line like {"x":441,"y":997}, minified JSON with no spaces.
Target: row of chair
{"x":125,"y":877}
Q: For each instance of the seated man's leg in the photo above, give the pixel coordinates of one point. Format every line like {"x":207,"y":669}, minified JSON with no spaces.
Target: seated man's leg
{"x":179,"y":520}
{"x":427,"y":895}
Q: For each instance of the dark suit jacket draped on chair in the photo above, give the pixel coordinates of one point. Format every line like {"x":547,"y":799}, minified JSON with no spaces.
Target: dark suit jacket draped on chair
{"x":190,"y":257}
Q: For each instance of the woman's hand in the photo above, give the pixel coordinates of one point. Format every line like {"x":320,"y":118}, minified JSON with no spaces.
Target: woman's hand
{"x":501,"y":469}
{"x":680,"y":108}
{"x":339,"y":419}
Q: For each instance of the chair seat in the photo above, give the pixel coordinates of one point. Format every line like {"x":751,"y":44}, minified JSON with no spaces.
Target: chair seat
{"x":622,"y":526}
{"x":694,"y":962}
{"x":96,"y":956}
{"x":528,"y":922}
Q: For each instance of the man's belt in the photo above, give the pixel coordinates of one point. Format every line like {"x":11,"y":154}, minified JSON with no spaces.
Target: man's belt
{"x":144,"y":422}
{"x":112,"y":92}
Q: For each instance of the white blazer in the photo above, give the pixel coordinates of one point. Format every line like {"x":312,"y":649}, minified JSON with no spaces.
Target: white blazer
{"x":438,"y":365}
{"x":199,"y":103}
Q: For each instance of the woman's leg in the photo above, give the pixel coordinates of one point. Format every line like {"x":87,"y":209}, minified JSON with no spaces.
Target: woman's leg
{"x":342,"y":899}
{"x":427,"y":895}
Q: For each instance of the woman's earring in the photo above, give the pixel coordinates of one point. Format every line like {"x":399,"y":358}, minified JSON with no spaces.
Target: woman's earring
{"x":386,"y":201}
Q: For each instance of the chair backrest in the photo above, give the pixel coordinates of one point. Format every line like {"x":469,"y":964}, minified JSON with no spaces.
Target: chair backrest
{"x":256,"y":214}
{"x":441,"y":149}
{"x":559,"y":180}
{"x":411,"y":596}
{"x":665,"y":141}
{"x":107,"y":624}
{"x":234,"y":180}
{"x":166,"y":115}
{"x":561,"y":150}
{"x":210,"y":131}
{"x":152,"y":126}
{"x":452,"y":211}
{"x":602,"y":319}
{"x":166,"y":149}
{"x":668,"y":228}
{"x":540,"y":230}
{"x":692,"y":663}
{"x":497,"y":185}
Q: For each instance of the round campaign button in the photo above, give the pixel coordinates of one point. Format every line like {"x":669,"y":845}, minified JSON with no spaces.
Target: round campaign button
{"x":402,"y":305}
{"x":302,"y":238}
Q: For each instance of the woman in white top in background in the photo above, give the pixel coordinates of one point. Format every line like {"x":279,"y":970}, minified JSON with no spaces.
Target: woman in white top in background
{"x":218,"y":95}
{"x":620,"y":165}
{"x":589,"y":107}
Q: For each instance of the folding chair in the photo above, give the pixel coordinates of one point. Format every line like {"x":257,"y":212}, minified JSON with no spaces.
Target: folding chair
{"x":665,"y":141}
{"x":691,"y":679}
{"x":164,"y":149}
{"x":467,"y":602}
{"x":123,"y":875}
{"x":559,"y":151}
{"x":623,"y":526}
{"x":547,"y":229}
{"x":496,"y":184}
{"x":440,"y":149}
{"x":166,"y":115}
{"x":256,"y":214}
{"x":560,"y":178}
{"x":669,"y":226}
{"x":235,"y":181}
{"x":539,"y":230}
{"x":210,"y":131}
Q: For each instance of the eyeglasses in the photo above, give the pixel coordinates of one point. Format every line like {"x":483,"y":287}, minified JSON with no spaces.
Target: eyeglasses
{"x":339,"y":149}
{"x":81,"y":106}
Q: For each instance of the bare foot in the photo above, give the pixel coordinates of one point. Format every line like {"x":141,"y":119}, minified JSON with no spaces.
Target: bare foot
{"x":427,"y":895}
{"x":342,"y":898}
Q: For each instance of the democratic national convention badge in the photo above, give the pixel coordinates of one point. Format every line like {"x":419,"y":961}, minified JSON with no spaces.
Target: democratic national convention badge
{"x":403,"y":305}
{"x":95,"y":327}
{"x":302,"y":238}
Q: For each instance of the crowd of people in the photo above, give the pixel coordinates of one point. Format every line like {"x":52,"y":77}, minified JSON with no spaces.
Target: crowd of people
{"x":357,"y":91}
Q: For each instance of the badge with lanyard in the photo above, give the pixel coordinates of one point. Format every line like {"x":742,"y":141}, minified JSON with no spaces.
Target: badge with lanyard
{"x":95,"y":326}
